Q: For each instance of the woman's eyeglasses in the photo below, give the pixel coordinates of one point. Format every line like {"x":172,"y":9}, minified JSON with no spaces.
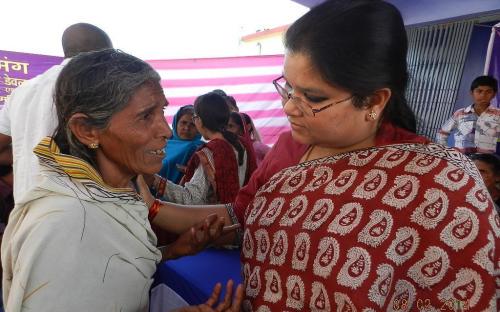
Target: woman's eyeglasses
{"x":286,"y":93}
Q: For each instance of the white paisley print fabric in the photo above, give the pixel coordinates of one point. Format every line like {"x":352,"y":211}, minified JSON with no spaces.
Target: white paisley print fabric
{"x":404,"y":227}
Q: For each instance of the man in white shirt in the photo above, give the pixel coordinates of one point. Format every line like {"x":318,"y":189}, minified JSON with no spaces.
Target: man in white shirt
{"x":29,"y":113}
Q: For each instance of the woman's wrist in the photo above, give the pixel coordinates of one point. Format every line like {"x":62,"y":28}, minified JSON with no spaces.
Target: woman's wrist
{"x":168,"y":253}
{"x":154,"y":208}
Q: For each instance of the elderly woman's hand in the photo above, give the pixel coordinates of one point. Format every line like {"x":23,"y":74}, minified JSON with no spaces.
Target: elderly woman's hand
{"x":144,"y":191}
{"x":225,"y":306}
{"x":198,"y":237}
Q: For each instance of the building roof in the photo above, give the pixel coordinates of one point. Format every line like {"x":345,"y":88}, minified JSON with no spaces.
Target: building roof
{"x":429,"y":11}
{"x":266,"y":33}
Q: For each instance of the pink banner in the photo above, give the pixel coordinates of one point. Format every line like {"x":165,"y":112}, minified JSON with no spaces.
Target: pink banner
{"x":248,"y":79}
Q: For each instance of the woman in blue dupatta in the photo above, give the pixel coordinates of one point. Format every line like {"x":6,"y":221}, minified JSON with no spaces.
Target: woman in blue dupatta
{"x":184,"y":142}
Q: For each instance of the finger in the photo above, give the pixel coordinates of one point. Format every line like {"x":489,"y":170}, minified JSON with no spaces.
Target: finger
{"x":230,"y":228}
{"x":211,"y":219}
{"x":199,"y":236}
{"x":204,"y":308}
{"x":203,"y":229}
{"x":141,"y":183}
{"x":215,"y":295}
{"x":226,"y":303}
{"x":194,"y":235}
{"x":202,"y":233}
{"x":216,"y":228}
{"x":144,"y":190}
{"x":238,"y":299}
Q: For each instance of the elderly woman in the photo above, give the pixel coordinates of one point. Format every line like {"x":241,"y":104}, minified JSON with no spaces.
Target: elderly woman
{"x":81,"y":241}
{"x":351,"y":210}
{"x":181,"y":146}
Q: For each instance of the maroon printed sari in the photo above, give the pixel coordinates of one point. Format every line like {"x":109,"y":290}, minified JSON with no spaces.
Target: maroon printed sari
{"x":402,"y":227}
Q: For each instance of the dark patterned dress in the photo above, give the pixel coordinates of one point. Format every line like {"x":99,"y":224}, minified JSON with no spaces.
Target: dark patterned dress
{"x":402,"y":227}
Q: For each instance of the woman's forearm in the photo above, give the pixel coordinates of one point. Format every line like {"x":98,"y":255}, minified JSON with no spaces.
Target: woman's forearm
{"x":179,"y":218}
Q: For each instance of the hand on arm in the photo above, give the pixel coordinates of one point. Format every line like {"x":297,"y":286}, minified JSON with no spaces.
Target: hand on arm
{"x":179,"y":219}
{"x":229,"y":304}
{"x":198,"y":237}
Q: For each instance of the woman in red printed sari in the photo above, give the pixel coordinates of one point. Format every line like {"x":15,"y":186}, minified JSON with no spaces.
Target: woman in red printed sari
{"x":351,"y":210}
{"x":220,"y":167}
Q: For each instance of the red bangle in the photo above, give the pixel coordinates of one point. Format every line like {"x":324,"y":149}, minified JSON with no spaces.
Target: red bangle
{"x":161,"y":188}
{"x":153,"y":210}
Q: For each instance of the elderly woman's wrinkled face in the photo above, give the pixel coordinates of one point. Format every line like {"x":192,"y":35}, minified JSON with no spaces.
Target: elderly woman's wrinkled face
{"x":339,"y":126}
{"x":134,"y":141}
{"x":186,"y":129}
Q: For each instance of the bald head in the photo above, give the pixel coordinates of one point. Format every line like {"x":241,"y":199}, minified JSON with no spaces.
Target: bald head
{"x":84,"y":37}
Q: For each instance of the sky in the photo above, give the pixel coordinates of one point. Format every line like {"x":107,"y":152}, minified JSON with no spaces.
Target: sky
{"x":148,"y":29}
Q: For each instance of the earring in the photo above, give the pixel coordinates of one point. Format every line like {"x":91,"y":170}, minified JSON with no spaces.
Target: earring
{"x":372,"y":115}
{"x":94,"y":145}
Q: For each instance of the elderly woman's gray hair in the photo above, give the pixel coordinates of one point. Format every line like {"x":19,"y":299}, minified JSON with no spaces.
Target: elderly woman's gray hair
{"x":97,"y":84}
